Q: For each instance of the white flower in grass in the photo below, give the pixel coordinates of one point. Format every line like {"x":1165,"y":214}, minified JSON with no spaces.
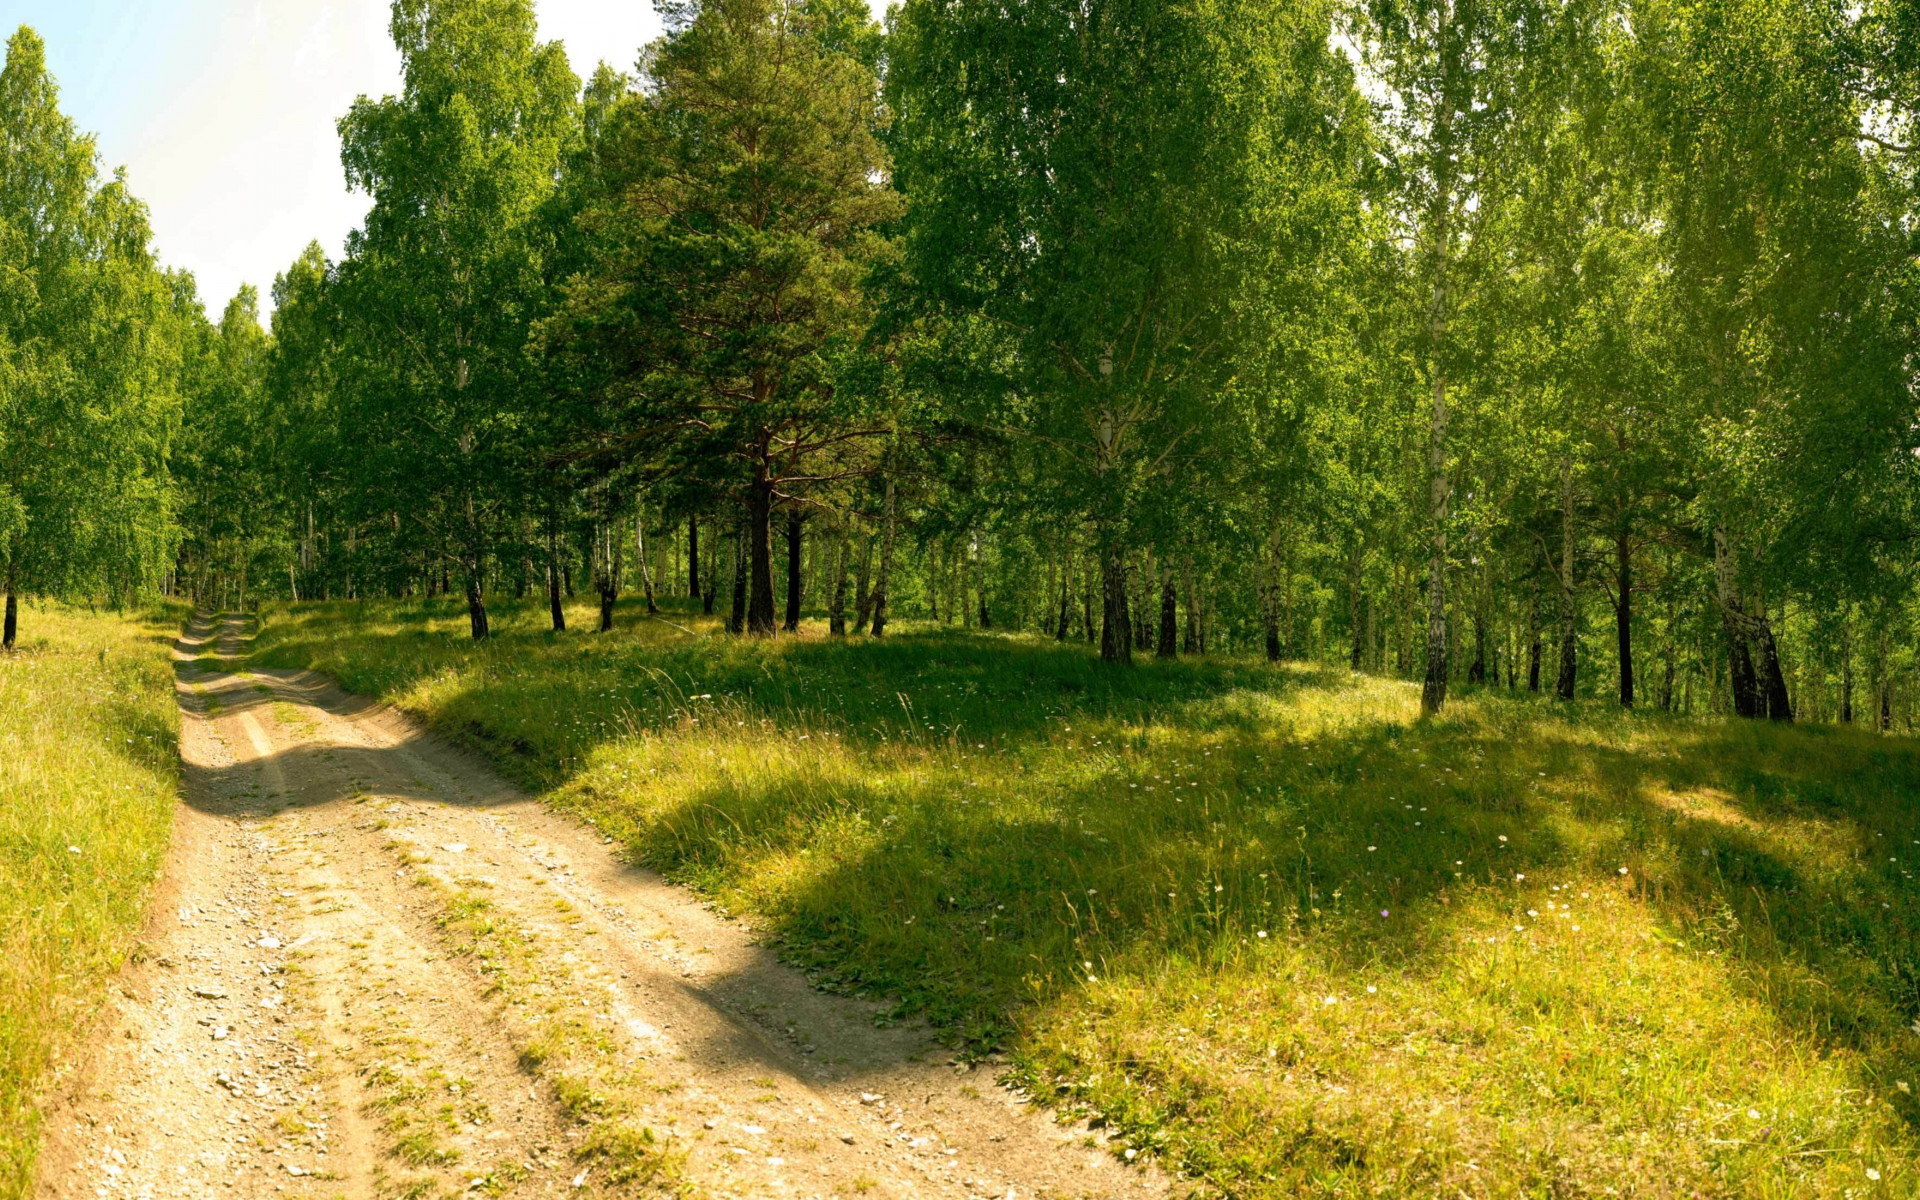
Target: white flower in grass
{"x":1873,"y":1174}
{"x":1263,"y":933}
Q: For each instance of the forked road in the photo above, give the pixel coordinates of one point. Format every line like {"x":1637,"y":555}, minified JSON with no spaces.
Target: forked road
{"x":310,"y":1019}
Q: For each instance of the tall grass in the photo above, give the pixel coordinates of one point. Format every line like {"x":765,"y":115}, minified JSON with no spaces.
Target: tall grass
{"x":1262,"y":921}
{"x":89,"y":768}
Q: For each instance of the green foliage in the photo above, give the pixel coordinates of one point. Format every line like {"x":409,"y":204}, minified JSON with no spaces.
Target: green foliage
{"x":89,"y":358}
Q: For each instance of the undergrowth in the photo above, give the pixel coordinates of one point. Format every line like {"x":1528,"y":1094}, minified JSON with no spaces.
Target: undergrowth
{"x":1262,"y":923}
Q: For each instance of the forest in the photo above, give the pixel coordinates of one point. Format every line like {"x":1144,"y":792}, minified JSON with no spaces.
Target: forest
{"x":1556,"y":344}
{"x":1290,"y":576}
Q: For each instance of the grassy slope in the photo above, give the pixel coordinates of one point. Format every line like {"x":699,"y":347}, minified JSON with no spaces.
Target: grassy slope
{"x":1260,"y":920}
{"x":89,"y":756}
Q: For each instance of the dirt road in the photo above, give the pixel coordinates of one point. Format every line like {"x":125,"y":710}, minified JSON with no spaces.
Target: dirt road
{"x":375,"y":969}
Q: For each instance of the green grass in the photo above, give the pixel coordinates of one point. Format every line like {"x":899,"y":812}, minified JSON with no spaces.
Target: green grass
{"x":89,"y":756}
{"x":1262,"y":922}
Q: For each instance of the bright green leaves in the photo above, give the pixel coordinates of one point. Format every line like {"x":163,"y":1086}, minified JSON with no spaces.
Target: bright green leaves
{"x":88,"y":357}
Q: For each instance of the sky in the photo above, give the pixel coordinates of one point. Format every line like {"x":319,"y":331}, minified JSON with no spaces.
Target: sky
{"x":223,"y":111}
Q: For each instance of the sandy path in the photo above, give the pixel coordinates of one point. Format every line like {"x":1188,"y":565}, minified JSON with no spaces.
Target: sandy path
{"x":375,"y":969}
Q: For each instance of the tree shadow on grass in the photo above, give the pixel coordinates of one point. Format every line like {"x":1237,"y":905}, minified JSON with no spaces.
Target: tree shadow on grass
{"x":971,"y":909}
{"x":992,"y":813}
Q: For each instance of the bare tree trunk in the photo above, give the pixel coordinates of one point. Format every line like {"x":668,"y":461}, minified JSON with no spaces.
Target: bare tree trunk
{"x":885,"y":579}
{"x":553,"y":581}
{"x":737,"y":617}
{"x":980,"y":581}
{"x":863,"y":595}
{"x":760,"y":549}
{"x":1066,"y":597}
{"x":1355,"y":560}
{"x":1087,"y":627}
{"x":1569,"y":609}
{"x":1846,"y":665}
{"x":1193,"y":610}
{"x":837,"y":609}
{"x":640,"y":552}
{"x":1779,"y":705}
{"x":1742,"y":683}
{"x":1270,"y":605}
{"x":693,"y":557}
{"x":1623,"y":615}
{"x":1116,"y":631}
{"x":1433,"y":692}
{"x":792,"y":624}
{"x":12,"y":627}
{"x":476,"y":606}
{"x":1169,"y":617}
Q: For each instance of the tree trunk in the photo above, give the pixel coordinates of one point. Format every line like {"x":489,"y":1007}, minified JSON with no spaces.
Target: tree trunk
{"x":1355,"y":560}
{"x":1742,"y":683}
{"x":693,"y":557}
{"x":1087,"y":627}
{"x":553,"y":583}
{"x":737,"y":618}
{"x":1143,"y":603}
{"x":793,"y":573}
{"x":1569,"y":610}
{"x":863,"y":595}
{"x":760,"y":543}
{"x":1477,"y":670}
{"x":640,"y":552}
{"x":837,"y":610}
{"x":1193,"y":610}
{"x":476,"y":606}
{"x":980,"y":582}
{"x":1169,"y":617}
{"x":886,"y":565}
{"x":1779,"y":706}
{"x":1116,"y":631}
{"x":1623,"y":615}
{"x":13,"y":619}
{"x":1066,"y":597}
{"x":1846,"y":667}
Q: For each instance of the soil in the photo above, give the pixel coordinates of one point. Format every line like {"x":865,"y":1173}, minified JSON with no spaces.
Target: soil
{"x":311,"y":1014}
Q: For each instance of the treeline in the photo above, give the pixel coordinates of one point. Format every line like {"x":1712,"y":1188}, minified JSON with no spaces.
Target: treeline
{"x":1550,"y":344}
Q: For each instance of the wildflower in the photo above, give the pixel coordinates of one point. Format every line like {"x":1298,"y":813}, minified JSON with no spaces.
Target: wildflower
{"x":1532,"y":913}
{"x":1873,"y":1174}
{"x":1263,"y":933}
{"x":1753,"y":1114}
{"x":1503,"y":837}
{"x":1623,"y":870}
{"x":1517,"y":878}
{"x":1383,"y":912}
{"x":1371,"y":849}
